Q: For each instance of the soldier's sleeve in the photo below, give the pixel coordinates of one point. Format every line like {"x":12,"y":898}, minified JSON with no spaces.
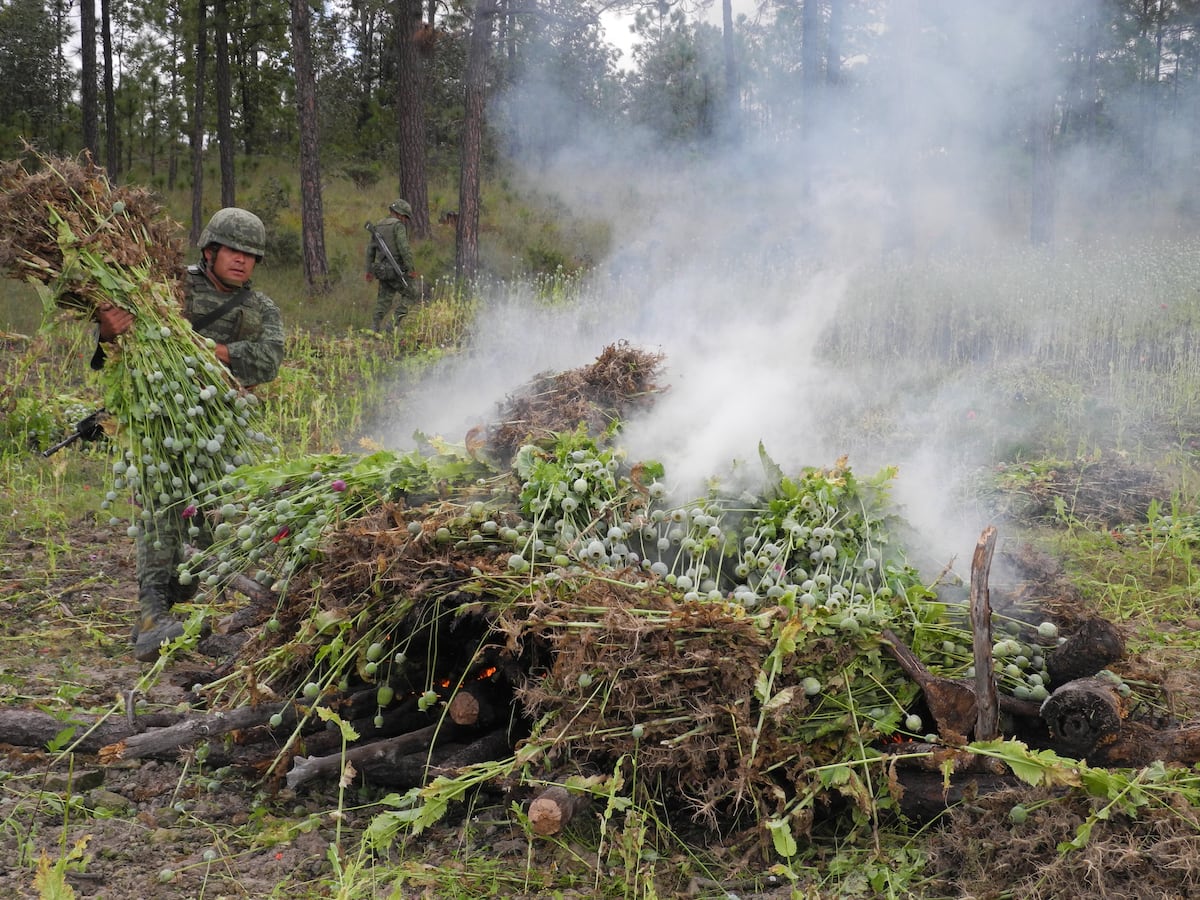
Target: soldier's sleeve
{"x":370,"y":251}
{"x":257,"y":361}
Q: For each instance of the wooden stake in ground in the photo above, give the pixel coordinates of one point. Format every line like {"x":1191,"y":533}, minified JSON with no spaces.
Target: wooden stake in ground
{"x":987,"y":713}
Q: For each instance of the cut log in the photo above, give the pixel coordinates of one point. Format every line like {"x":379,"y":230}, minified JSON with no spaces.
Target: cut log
{"x":554,"y":808}
{"x":400,"y":719}
{"x":987,"y":713}
{"x":472,"y":705}
{"x":1094,"y":646}
{"x":198,"y":728}
{"x":408,"y":771}
{"x":1083,"y":714}
{"x":31,"y":728}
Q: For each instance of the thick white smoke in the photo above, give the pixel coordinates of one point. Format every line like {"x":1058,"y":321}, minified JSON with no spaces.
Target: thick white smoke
{"x":735,"y":263}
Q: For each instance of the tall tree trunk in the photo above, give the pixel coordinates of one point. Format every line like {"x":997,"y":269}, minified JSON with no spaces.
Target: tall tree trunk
{"x":316,"y":266}
{"x":1042,"y":181}
{"x":833,"y":55}
{"x":733,"y":87}
{"x":479,"y":51}
{"x":224,"y":91}
{"x":153,"y":133}
{"x":368,"y":72}
{"x":198,"y":121}
{"x":62,"y":31}
{"x":900,"y":234}
{"x":249,"y":77}
{"x":173,"y":125}
{"x":112,"y":154}
{"x":811,"y":70}
{"x":410,"y":116}
{"x":89,"y":93}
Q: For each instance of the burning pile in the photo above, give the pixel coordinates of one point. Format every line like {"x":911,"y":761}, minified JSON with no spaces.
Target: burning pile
{"x":730,"y":643}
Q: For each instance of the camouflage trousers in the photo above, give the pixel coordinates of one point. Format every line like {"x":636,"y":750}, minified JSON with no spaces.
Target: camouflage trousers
{"x":391,"y":293}
{"x":160,"y":550}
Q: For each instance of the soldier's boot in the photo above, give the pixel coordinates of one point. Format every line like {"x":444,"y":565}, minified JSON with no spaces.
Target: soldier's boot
{"x":155,"y":624}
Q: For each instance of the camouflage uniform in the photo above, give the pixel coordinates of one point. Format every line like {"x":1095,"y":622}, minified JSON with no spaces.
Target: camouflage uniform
{"x":403,"y":293}
{"x":252,"y":331}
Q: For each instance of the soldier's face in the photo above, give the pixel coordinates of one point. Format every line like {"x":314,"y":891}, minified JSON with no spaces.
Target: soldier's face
{"x":229,"y":265}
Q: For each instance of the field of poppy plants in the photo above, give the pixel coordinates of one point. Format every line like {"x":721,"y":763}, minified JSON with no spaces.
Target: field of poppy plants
{"x":705,"y":671}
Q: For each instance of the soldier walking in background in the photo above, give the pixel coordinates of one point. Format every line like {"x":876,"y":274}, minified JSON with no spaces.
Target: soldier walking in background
{"x":390,"y":262}
{"x":248,"y":331}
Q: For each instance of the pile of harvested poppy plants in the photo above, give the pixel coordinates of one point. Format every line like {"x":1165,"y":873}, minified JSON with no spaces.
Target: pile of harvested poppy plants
{"x":531,"y":608}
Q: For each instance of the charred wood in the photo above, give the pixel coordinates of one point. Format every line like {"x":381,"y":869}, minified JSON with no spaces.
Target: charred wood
{"x":1094,"y":646}
{"x":376,"y":755}
{"x":1083,"y":714}
{"x":400,"y":719}
{"x":950,"y":702}
{"x":925,"y":795}
{"x":491,"y":746}
{"x":987,"y":713}
{"x":408,"y":771}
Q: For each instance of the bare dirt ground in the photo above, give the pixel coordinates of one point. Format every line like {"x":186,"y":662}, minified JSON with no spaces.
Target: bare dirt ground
{"x":145,"y":828}
{"x":172,"y":828}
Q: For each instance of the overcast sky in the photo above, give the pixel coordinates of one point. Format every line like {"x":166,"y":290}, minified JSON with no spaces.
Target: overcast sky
{"x":616,"y":25}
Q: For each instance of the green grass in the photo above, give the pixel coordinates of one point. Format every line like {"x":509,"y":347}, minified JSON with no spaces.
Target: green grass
{"x":1090,"y":352}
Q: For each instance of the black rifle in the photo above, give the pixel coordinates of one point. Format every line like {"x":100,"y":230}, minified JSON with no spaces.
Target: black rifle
{"x":387,"y":252}
{"x":90,"y":428}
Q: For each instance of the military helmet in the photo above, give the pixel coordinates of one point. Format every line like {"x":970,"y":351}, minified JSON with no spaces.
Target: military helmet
{"x":400,"y":208}
{"x":236,"y":228}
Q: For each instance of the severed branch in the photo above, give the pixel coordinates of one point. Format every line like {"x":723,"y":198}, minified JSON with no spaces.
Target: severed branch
{"x":987,"y":713}
{"x":951,"y":701}
{"x":491,"y":746}
{"x":32,"y":728}
{"x":171,"y":738}
{"x":388,"y":751}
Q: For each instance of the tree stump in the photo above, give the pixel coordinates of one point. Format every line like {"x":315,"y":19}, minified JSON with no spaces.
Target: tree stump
{"x":1082,"y":714}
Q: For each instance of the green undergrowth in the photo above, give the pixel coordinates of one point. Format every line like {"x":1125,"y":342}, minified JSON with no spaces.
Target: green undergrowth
{"x":1104,"y":482}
